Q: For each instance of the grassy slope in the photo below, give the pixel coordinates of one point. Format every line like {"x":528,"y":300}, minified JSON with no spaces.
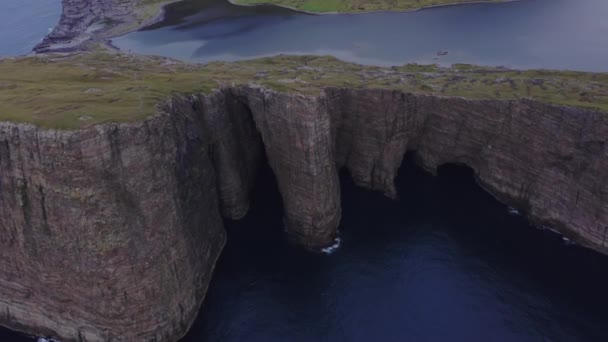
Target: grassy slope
{"x":321,"y":6}
{"x":68,"y":92}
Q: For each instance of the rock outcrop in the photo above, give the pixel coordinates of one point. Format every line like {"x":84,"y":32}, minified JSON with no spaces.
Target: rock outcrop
{"x":111,"y":233}
{"x":78,"y":16}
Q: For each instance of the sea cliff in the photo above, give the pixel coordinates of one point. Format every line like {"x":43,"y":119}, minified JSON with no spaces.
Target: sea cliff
{"x":108,"y":233}
{"x":111,"y":232}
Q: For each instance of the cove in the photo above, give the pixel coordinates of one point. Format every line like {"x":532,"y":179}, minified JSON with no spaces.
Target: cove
{"x":446,"y":262}
{"x":550,"y":34}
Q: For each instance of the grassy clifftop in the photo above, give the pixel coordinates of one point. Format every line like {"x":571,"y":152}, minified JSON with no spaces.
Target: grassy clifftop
{"x":69,"y":92}
{"x":349,"y":6}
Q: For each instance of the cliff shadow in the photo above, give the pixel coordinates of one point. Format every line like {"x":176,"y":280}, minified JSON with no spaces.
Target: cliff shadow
{"x":408,"y":250}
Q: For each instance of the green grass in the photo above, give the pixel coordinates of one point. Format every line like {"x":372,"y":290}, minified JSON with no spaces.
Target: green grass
{"x":69,"y":92}
{"x":146,"y":9}
{"x":141,"y":13}
{"x":348,"y":6}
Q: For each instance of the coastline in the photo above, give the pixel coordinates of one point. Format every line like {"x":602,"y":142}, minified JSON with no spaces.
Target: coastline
{"x":206,"y":101}
{"x":103,"y":36}
{"x":373,"y":11}
{"x":205,"y":144}
{"x":80,"y":39}
{"x":160,"y":15}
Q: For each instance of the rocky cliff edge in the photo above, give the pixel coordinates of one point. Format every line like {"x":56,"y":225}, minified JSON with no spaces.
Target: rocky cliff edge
{"x":110,"y":231}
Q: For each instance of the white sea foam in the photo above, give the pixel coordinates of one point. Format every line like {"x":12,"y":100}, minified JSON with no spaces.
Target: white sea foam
{"x":42,"y":339}
{"x":514,"y":211}
{"x":549,"y":228}
{"x":567,"y":241}
{"x":332,"y":248}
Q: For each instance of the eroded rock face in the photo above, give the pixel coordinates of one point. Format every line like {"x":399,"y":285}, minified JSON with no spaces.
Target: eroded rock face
{"x":296,"y":131}
{"x":112,"y":232}
{"x":108,"y":233}
{"x":550,"y":161}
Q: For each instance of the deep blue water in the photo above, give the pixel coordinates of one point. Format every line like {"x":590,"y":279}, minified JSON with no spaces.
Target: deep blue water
{"x":556,"y":34}
{"x":23,"y":24}
{"x":446,"y":262}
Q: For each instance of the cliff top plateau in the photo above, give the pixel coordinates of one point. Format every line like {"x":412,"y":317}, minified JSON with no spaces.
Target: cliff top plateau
{"x":79,"y":90}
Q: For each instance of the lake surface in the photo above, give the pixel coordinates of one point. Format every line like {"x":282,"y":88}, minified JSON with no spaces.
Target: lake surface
{"x":444,"y":263}
{"x":556,"y":34}
{"x":23,"y":24}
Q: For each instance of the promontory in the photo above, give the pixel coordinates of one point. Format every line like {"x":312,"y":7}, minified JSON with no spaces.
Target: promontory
{"x":117,"y":170}
{"x":354,"y":6}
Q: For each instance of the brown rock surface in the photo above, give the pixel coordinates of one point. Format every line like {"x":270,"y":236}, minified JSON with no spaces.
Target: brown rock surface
{"x":108,"y":233}
{"x":296,"y":131}
{"x":111,"y":232}
{"x":550,"y":161}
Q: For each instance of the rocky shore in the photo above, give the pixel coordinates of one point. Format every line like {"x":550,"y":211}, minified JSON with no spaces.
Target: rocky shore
{"x":85,"y":23}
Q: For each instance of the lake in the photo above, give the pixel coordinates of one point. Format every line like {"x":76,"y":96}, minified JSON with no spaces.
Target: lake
{"x":554,"y":34}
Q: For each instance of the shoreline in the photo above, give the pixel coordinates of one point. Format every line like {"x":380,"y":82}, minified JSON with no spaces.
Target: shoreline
{"x":104,"y":35}
{"x":83,"y":40}
{"x":374,"y":11}
{"x":160,"y":15}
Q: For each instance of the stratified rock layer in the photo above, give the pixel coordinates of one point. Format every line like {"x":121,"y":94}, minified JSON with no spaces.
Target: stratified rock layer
{"x":108,"y":233}
{"x":550,"y":161}
{"x":111,"y":233}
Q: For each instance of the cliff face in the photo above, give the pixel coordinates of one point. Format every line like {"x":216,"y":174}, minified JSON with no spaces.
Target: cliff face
{"x":111,"y":232}
{"x":549,"y":161}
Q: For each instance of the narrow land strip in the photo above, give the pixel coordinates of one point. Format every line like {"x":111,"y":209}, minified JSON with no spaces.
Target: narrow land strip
{"x":353,"y":6}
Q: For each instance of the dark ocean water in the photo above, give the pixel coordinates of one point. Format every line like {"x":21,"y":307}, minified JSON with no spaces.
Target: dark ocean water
{"x":23,"y":24}
{"x":556,"y":34}
{"x":446,"y":262}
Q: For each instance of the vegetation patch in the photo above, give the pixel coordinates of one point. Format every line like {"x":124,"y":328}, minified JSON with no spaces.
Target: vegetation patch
{"x":72,"y":91}
{"x":140,"y":13}
{"x":351,"y":6}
